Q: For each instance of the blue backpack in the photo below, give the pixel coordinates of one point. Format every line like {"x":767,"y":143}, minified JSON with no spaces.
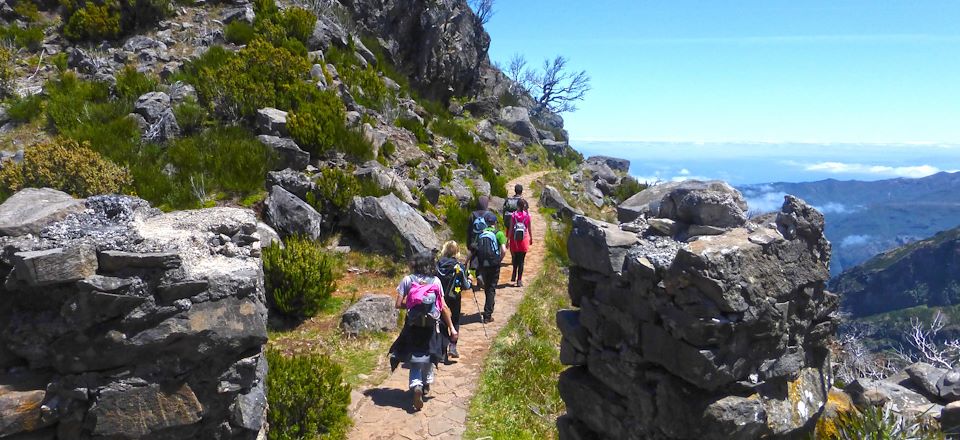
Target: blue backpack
{"x":488,"y":249}
{"x":479,"y":225}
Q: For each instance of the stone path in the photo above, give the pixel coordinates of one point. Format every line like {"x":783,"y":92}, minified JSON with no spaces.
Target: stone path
{"x":386,"y":411}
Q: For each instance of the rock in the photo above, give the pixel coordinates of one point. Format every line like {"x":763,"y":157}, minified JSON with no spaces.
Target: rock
{"x":950,"y":417}
{"x":387,"y":224}
{"x":647,"y":202}
{"x":271,"y":121}
{"x":372,"y":313}
{"x":483,"y":108}
{"x":600,"y":171}
{"x":880,"y":393}
{"x":116,"y":261}
{"x":384,"y":178}
{"x":517,"y":120}
{"x":32,"y":209}
{"x":21,"y":397}
{"x":290,"y":215}
{"x":294,"y":182}
{"x":948,"y":386}
{"x":326,"y":33}
{"x":156,"y":110}
{"x":244,"y":13}
{"x":622,"y":165}
{"x":55,"y":266}
{"x":704,"y":207}
{"x":551,"y":198}
{"x":288,"y":152}
{"x":486,"y":131}
{"x":180,"y":92}
{"x":139,"y":43}
{"x":267,"y":235}
{"x":925,"y":377}
{"x":4,"y":114}
{"x":557,"y":148}
{"x":715,"y":338}
{"x":137,"y":412}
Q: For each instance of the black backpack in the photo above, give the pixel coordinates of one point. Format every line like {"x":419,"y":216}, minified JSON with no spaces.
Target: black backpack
{"x":488,"y":249}
{"x":450,"y":277}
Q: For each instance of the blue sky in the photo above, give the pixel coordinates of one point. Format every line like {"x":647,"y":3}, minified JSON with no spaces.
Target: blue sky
{"x":808,"y":71}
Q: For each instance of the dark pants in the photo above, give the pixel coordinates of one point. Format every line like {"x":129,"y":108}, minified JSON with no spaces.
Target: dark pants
{"x":491,"y":277}
{"x":453,"y":302}
{"x":518,"y":259}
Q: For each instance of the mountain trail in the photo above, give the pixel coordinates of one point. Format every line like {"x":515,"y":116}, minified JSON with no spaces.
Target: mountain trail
{"x":386,"y":411}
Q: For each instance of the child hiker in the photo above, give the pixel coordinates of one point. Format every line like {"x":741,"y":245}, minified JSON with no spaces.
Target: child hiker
{"x":421,"y":344}
{"x":453,"y":276}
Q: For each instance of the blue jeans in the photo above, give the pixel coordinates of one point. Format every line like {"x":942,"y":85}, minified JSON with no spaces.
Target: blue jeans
{"x":421,"y":370}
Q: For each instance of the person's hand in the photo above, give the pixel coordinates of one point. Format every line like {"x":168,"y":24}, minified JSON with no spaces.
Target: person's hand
{"x":454,"y":335}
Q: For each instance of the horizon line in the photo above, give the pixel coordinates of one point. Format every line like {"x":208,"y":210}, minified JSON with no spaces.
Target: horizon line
{"x":762,"y":142}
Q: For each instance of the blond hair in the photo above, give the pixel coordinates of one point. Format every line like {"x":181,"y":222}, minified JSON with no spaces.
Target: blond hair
{"x":450,"y":249}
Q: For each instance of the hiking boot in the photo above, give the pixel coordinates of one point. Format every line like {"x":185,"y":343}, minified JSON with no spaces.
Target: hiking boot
{"x":454,"y":354}
{"x":426,"y":390}
{"x":519,"y":283}
{"x":418,"y":397}
{"x":488,"y":319}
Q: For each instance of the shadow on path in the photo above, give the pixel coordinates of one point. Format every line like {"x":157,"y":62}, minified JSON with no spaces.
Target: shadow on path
{"x":391,"y":397}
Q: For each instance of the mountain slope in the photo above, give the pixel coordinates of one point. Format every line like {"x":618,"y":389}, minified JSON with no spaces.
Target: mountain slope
{"x":925,"y":272}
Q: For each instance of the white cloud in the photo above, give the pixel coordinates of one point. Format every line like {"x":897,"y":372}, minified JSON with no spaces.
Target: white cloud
{"x":855,"y":240}
{"x":835,"y":208}
{"x":766,"y":201}
{"x":684,"y":172}
{"x":859,"y":168}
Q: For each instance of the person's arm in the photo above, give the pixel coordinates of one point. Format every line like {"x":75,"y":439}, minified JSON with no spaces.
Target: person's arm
{"x":529,"y":229}
{"x":448,"y":320}
{"x":401,"y":293}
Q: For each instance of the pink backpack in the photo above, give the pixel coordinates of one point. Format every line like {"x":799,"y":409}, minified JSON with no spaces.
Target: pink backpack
{"x":422,"y":303}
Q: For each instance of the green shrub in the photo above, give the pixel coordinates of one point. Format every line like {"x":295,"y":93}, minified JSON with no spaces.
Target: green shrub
{"x":59,"y":61}
{"x":318,"y":126}
{"x":507,"y":99}
{"x":94,"y":22}
{"x":470,"y":151}
{"x":444,"y":174}
{"x":414,"y":126}
{"x":299,"y":278}
{"x":556,"y":243}
{"x":238,"y":32}
{"x":68,"y":166}
{"x":230,"y":159}
{"x":190,"y":116}
{"x":627,"y":188}
{"x":30,"y":37}
{"x":131,"y":84}
{"x":27,"y":10}
{"x":457,"y":217}
{"x":367,"y":86}
{"x":388,"y":149}
{"x":881,"y":423}
{"x":299,"y":23}
{"x":7,"y":73}
{"x":335,"y":190}
{"x":307,"y":397}
{"x":259,"y":75}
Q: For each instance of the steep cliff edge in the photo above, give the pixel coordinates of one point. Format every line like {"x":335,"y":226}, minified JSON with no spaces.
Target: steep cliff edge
{"x":694,"y":323}
{"x":925,"y":272}
{"x":121,"y":322}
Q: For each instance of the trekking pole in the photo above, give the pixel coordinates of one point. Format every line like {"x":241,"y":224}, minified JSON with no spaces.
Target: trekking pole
{"x":483,"y":321}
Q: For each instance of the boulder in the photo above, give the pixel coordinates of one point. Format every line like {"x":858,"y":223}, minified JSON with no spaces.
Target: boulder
{"x":21,"y":399}
{"x":55,"y":266}
{"x":551,"y":198}
{"x":387,"y":224}
{"x":487,"y":131}
{"x":621,"y":165}
{"x":326,"y":33}
{"x":924,"y":378}
{"x":268,"y":236}
{"x":950,"y":417}
{"x":948,"y":386}
{"x":384,"y":178}
{"x":290,"y":216}
{"x":156,"y":110}
{"x":880,"y":393}
{"x":517,"y":120}
{"x":294,"y":182}
{"x":288,"y":152}
{"x":600,"y":171}
{"x":32,"y":209}
{"x":271,"y":121}
{"x":704,"y":207}
{"x":138,"y":412}
{"x":372,"y":313}
{"x":647,"y":202}
{"x":180,"y":92}
{"x":598,"y":246}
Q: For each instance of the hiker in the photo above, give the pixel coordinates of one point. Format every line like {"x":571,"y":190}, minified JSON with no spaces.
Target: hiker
{"x":480,"y":219}
{"x":489,"y":246}
{"x":520,"y":237}
{"x":420,"y":343}
{"x":454,"y":278}
{"x":511,"y":205}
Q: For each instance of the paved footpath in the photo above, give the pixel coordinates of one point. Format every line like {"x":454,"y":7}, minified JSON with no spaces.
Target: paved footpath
{"x":386,"y":411}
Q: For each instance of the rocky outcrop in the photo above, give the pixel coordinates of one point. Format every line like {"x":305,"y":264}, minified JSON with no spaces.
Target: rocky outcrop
{"x":384,"y":178}
{"x":155,"y":110}
{"x":694,"y":336}
{"x":441,"y":44}
{"x":371,"y":313}
{"x":647,"y":202}
{"x":32,"y":209}
{"x":386,"y":224}
{"x":621,"y":165}
{"x":121,"y":322}
{"x":517,"y":120}
{"x":289,"y":154}
{"x":551,"y":198}
{"x":291,"y":216}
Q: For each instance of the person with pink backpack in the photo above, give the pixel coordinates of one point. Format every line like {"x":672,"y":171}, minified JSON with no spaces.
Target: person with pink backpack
{"x":519,"y":238}
{"x":421,"y":343}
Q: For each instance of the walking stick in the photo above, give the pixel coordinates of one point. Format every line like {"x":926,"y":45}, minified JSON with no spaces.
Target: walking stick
{"x":483,"y":321}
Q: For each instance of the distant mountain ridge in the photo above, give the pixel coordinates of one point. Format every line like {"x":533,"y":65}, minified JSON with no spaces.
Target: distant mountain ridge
{"x":925,"y":272}
{"x":867,"y":218}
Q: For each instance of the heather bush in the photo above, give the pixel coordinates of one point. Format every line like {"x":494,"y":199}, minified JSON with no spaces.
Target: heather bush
{"x":190,"y":116}
{"x":7,"y":74}
{"x":131,"y":84}
{"x":627,"y":188}
{"x":30,"y":37}
{"x":239,"y":32}
{"x":414,"y":126}
{"x":94,"y":22}
{"x":307,"y":397}
{"x":471,"y":151}
{"x":65,"y":165}
{"x":299,"y":277}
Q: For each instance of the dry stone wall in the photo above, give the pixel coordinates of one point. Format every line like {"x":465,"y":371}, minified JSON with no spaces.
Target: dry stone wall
{"x":694,"y":323}
{"x":120,"y":322}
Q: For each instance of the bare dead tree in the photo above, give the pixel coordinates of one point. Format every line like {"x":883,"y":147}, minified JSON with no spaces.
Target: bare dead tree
{"x":922,"y":345}
{"x":554,"y":87}
{"x":483,"y":9}
{"x":518,"y":64}
{"x":854,"y":360}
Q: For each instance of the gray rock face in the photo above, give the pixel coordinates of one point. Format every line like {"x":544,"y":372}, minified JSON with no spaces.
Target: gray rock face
{"x":647,"y":202}
{"x":384,"y":178}
{"x":32,"y":209}
{"x":551,"y":198}
{"x":517,"y":120}
{"x":622,"y":165}
{"x":872,"y":393}
{"x":387,"y":224}
{"x":372,"y":313}
{"x":271,"y":121}
{"x":289,"y":215}
{"x":715,"y":338}
{"x":925,"y":378}
{"x":126,"y":323}
{"x":326,"y":33}
{"x":441,"y":44}
{"x":948,"y":386}
{"x":156,"y":110}
{"x":288,"y":152}
{"x":704,"y":207}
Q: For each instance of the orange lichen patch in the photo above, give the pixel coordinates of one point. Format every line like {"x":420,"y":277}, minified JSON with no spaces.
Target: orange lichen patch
{"x":838,"y":403}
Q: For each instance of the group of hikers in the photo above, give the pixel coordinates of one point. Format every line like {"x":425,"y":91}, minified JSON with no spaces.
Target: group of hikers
{"x":431,"y":294}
